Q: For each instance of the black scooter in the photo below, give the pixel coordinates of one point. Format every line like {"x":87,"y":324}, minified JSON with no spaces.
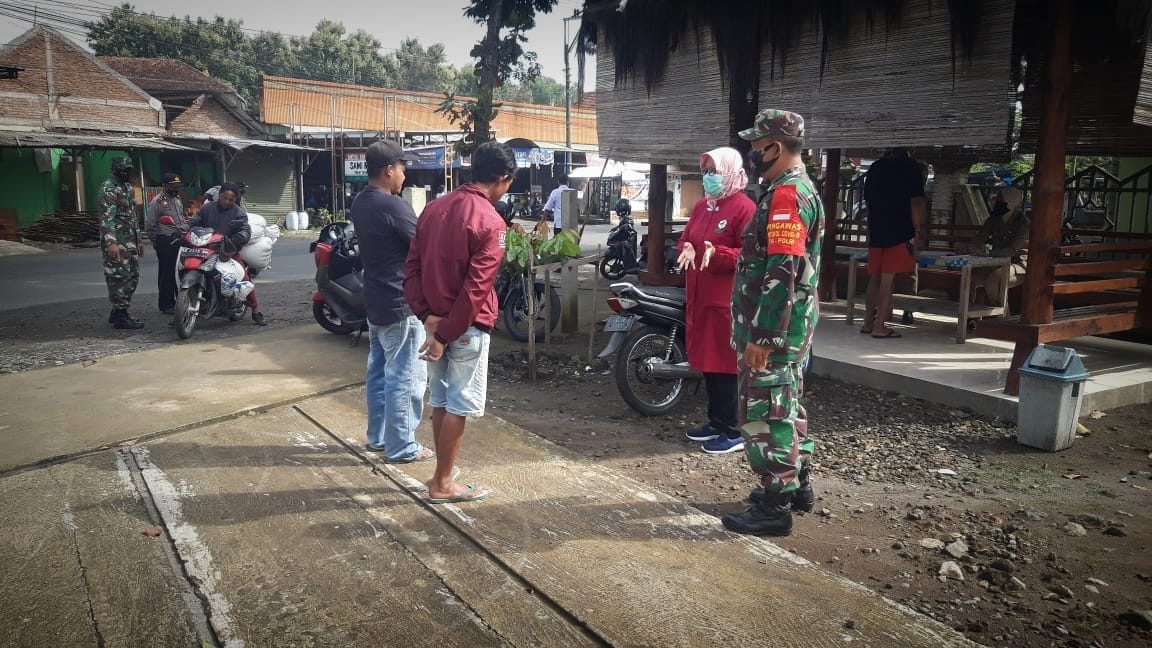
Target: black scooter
{"x":620,"y":258}
{"x":338,"y":304}
{"x":652,"y":371}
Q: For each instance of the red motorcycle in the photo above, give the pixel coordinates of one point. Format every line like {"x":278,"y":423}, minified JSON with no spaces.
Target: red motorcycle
{"x":213,"y":280}
{"x":338,"y":304}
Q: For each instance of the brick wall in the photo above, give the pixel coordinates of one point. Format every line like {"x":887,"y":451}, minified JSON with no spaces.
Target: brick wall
{"x":207,"y":117}
{"x":84,"y":90}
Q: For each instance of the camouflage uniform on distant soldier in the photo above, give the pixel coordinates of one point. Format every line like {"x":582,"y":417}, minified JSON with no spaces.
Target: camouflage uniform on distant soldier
{"x":774,"y":312}
{"x":120,"y":241}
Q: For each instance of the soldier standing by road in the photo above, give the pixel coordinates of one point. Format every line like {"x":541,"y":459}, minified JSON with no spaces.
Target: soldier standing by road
{"x":774,"y":313}
{"x":120,"y":241}
{"x":164,"y":222}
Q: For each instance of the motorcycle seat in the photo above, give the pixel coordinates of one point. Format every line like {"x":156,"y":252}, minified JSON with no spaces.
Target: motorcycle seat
{"x":662,"y":294}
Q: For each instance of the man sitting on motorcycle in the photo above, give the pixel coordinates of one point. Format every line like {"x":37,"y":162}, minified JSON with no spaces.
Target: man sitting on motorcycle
{"x":225,"y":216}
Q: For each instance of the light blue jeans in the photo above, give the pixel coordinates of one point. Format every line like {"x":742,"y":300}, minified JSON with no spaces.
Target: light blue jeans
{"x":394,"y":386}
{"x":458,"y":381}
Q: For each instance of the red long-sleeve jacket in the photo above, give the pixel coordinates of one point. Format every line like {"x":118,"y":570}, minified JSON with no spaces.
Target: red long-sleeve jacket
{"x":453,"y":262}
{"x":709,"y":314}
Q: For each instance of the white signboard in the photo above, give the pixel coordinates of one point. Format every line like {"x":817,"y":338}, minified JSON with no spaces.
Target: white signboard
{"x":354,"y":167}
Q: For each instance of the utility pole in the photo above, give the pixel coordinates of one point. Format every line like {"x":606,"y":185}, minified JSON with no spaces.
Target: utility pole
{"x":568,"y":92}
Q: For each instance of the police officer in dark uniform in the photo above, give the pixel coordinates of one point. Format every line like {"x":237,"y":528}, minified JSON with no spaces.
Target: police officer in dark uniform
{"x":164,"y":222}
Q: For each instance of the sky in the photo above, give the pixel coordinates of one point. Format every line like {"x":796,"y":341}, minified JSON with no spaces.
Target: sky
{"x":390,"y":21}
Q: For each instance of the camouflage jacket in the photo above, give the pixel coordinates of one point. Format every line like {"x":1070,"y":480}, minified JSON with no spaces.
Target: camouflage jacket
{"x":774,"y":300}
{"x":118,"y":225}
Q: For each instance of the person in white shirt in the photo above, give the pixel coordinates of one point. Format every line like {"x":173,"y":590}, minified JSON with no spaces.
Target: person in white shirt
{"x":553,"y":206}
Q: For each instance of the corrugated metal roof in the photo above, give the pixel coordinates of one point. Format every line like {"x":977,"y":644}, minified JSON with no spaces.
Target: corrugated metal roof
{"x":241,"y":144}
{"x":321,"y":103}
{"x":10,"y":139}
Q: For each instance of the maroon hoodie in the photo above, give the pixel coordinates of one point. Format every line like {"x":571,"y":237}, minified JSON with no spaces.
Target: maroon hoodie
{"x":453,"y":262}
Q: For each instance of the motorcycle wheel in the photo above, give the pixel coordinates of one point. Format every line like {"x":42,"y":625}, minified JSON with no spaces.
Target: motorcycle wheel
{"x":188,"y":304}
{"x":612,"y":267}
{"x":239,"y":315}
{"x":649,"y":396}
{"x":516,"y":313}
{"x":330,"y":321}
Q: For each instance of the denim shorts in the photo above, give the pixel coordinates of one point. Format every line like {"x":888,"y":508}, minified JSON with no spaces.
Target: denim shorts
{"x":458,"y":381}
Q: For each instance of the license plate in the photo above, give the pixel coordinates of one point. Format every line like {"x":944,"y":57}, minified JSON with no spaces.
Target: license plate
{"x":619,"y":323}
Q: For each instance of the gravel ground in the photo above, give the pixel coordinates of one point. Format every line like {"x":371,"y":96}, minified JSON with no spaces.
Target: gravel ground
{"x":57,"y":334}
{"x":936,"y":508}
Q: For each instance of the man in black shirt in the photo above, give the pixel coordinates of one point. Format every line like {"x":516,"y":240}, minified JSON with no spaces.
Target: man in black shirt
{"x":894,"y":191}
{"x":225,"y":216}
{"x":396,"y":378}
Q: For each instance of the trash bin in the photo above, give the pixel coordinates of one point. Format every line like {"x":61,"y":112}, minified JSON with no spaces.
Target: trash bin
{"x":1051,"y":390}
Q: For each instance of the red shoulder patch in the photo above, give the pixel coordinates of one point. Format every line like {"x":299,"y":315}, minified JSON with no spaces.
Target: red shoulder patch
{"x":787,"y":232}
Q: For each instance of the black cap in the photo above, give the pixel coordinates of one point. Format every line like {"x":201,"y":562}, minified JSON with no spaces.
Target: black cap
{"x":385,"y":153}
{"x":170,"y":178}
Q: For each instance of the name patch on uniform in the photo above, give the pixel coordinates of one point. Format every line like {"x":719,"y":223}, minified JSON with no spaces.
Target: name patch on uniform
{"x":786,"y":233}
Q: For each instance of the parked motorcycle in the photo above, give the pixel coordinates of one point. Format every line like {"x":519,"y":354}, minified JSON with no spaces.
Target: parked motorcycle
{"x":212,"y":280}
{"x":338,"y":304}
{"x":511,"y":290}
{"x":652,"y":371}
{"x":623,"y":257}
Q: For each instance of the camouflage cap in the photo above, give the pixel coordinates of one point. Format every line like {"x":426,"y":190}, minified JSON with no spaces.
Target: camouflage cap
{"x":771,"y":122}
{"x":122,"y":163}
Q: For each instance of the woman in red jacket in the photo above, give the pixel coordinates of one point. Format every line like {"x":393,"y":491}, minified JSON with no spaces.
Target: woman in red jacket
{"x":709,"y":248}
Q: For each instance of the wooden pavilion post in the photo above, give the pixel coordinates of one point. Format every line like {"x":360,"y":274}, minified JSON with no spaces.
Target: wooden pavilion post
{"x":1048,"y":185}
{"x":831,"y":211}
{"x":657,"y":208}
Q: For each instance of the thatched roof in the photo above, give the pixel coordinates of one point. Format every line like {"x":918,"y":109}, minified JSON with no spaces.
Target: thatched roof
{"x":866,"y":73}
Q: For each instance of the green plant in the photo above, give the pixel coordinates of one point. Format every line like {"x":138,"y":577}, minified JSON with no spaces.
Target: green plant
{"x":322,"y":218}
{"x":521,"y":246}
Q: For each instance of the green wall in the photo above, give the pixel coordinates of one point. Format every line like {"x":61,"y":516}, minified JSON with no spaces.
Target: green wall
{"x":31,"y":193}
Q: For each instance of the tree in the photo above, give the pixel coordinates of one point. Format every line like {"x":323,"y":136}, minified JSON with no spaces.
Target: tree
{"x":500,"y":58}
{"x":329,"y":54}
{"x":422,"y":69}
{"x":465,"y":82}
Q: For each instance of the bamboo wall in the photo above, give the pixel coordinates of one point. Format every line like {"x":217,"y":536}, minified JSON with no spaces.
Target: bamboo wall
{"x":684,"y":117}
{"x":899,"y":88}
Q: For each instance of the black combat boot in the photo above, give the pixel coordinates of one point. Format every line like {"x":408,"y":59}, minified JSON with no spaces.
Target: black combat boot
{"x":126,"y":321}
{"x":803,"y":498}
{"x":114,"y":316}
{"x":772,"y":516}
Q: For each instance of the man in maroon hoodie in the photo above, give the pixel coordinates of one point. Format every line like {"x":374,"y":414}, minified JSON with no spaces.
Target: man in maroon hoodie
{"x":449,"y":281}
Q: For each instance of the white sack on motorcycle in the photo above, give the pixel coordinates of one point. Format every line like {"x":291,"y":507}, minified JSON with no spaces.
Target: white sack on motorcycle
{"x":232,"y":282}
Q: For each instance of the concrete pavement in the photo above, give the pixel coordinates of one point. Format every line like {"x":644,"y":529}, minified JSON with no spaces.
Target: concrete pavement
{"x":80,"y":407}
{"x":277,"y":529}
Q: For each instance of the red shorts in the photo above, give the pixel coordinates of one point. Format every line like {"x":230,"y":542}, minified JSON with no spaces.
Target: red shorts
{"x":897,"y":259}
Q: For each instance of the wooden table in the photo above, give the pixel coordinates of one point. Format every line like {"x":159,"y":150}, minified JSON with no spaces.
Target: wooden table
{"x":939,"y":261}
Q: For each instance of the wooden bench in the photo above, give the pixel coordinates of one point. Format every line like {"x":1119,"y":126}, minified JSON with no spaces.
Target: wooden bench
{"x":1083,"y":270}
{"x":937,"y":240}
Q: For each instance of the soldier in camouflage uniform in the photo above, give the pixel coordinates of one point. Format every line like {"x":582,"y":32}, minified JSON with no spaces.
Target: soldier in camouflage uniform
{"x":120,"y":241}
{"x":774,"y":312}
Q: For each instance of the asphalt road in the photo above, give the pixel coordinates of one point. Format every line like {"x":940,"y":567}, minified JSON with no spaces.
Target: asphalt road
{"x":72,"y":275}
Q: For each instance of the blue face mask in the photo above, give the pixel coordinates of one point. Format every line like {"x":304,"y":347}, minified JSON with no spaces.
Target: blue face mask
{"x":713,"y":185}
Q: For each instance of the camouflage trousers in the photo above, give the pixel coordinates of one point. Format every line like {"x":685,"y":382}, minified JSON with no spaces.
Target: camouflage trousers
{"x":775,"y":425}
{"x":121,"y":276}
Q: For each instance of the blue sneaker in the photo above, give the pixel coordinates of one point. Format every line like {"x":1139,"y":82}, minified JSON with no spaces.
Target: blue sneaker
{"x":703,"y":433}
{"x":723,"y":445}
